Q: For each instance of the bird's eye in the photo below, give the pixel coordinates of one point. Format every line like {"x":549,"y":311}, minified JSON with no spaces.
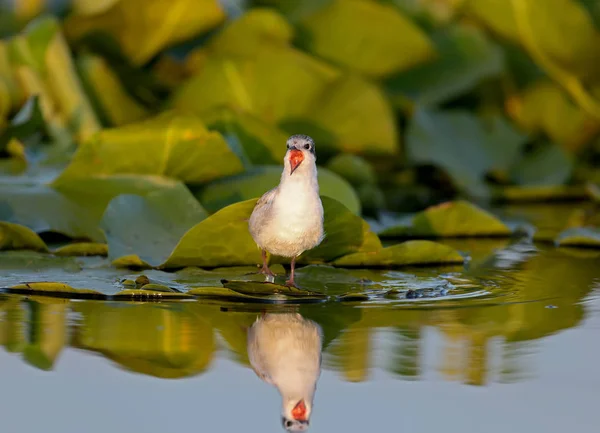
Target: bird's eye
{"x":288,"y":424}
{"x":307,"y":146}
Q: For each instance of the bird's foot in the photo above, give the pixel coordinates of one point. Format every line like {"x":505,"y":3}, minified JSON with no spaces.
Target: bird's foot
{"x":291,"y":283}
{"x":266,"y":271}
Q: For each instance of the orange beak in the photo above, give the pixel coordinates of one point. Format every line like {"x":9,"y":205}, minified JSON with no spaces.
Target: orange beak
{"x":296,"y":157}
{"x":299,"y":411}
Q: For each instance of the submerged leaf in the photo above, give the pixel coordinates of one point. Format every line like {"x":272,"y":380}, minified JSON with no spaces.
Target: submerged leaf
{"x":416,"y":252}
{"x":255,"y":182}
{"x":580,"y":236}
{"x":18,"y":237}
{"x":451,"y":219}
{"x":177,"y":146}
{"x":149,"y":227}
{"x":367,"y":36}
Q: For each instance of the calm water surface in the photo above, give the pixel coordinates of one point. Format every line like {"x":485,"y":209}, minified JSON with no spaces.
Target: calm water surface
{"x":511,"y":346}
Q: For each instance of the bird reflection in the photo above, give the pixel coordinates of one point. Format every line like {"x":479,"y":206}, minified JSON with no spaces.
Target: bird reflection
{"x":285,"y":351}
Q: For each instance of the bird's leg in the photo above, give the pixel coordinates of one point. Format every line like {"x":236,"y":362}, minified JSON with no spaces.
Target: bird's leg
{"x":265,"y":268}
{"x":291,"y":281}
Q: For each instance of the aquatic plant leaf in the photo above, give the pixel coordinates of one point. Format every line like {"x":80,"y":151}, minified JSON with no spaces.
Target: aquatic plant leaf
{"x":74,"y":207}
{"x":54,"y":289}
{"x":459,"y":143}
{"x":342,"y":30}
{"x":255,"y":288}
{"x":580,"y":237}
{"x":258,"y":180}
{"x":148,"y":295}
{"x":223,"y":238}
{"x":548,"y":26}
{"x":262,"y":143}
{"x":149,"y":226}
{"x":451,"y":219}
{"x":42,"y":62}
{"x":418,"y":252}
{"x":544,"y":107}
{"x":18,"y":237}
{"x":547,"y":166}
{"x":173,"y":145}
{"x":355,"y":169}
{"x":111,"y":99}
{"x":223,"y":293}
{"x":542,"y":193}
{"x":466,"y":57}
{"x":82,"y":249}
{"x":143,"y":31}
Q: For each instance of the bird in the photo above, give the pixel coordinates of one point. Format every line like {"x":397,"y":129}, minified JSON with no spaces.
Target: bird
{"x":284,"y":350}
{"x":288,"y":219}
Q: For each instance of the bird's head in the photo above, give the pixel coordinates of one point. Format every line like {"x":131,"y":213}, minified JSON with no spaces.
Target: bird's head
{"x":296,"y":414}
{"x":300,"y":156}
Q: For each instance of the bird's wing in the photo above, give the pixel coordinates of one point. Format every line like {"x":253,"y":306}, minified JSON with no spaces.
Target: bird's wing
{"x":267,"y":198}
{"x":256,"y":360}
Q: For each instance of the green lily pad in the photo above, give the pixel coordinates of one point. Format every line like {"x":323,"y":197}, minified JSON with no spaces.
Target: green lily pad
{"x":465,"y":55}
{"x":353,"y":168}
{"x":54,"y":289}
{"x":177,"y":146}
{"x":459,"y":143}
{"x":82,"y":249}
{"x":342,"y":29}
{"x":107,"y":92}
{"x":580,"y":237}
{"x":547,"y":166}
{"x":541,"y":193}
{"x":26,"y":122}
{"x":148,"y":295}
{"x":149,"y":227}
{"x":418,"y":252}
{"x":223,"y":238}
{"x":452,"y":219}
{"x":255,"y":182}
{"x":223,"y":293}
{"x":594,"y":191}
{"x":18,"y":237}
{"x":262,"y":143}
{"x":131,"y":23}
{"x":254,"y":288}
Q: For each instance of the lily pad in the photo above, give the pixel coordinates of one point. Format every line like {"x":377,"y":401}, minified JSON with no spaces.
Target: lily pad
{"x":131,"y":23}
{"x":82,"y":249}
{"x":580,"y":236}
{"x":223,"y":293}
{"x":54,"y":289}
{"x":177,"y":146}
{"x":342,"y":30}
{"x":223,"y":238}
{"x":257,"y":181}
{"x":418,"y":252}
{"x":466,"y":56}
{"x":355,"y":169}
{"x":149,"y":227}
{"x":452,"y":219}
{"x":459,"y":143}
{"x":547,"y":166}
{"x":148,"y":295}
{"x":254,"y":288}
{"x":543,"y":193}
{"x":18,"y":237}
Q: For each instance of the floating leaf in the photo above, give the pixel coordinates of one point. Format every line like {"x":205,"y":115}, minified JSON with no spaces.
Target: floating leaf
{"x":458,"y":142}
{"x":177,"y":146}
{"x":466,"y":57}
{"x":223,"y":239}
{"x":254,"y":288}
{"x":580,"y":237}
{"x":112,"y":100}
{"x":54,"y":289}
{"x":370,"y":37}
{"x":223,"y":293}
{"x":143,"y":31}
{"x":354,"y":169}
{"x":255,"y":182}
{"x":18,"y":237}
{"x":451,"y":219}
{"x":405,"y":254}
{"x":44,"y":67}
{"x":541,"y":193}
{"x":149,"y":227}
{"x":546,"y":166}
{"x":82,"y":249}
{"x":148,"y":295}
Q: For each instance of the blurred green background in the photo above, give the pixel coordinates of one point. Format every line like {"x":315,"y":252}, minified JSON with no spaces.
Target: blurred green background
{"x":411,"y":102}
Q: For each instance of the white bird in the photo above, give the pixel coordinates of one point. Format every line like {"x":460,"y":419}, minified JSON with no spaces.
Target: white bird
{"x":288,"y":219}
{"x":285,"y":351}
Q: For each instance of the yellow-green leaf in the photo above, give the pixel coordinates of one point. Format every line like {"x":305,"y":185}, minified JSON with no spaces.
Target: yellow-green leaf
{"x":18,"y":237}
{"x":82,"y":249}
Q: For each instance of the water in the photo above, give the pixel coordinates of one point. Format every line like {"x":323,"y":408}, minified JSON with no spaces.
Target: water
{"x":508,"y":344}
